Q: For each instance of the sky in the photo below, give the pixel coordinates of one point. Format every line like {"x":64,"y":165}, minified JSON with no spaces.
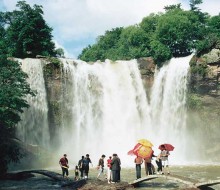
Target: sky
{"x":78,"y":23}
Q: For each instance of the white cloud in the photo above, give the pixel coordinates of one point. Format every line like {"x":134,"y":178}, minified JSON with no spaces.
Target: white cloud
{"x":75,"y":21}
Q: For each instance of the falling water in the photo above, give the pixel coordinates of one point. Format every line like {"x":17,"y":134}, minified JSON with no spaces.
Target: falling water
{"x":168,"y":106}
{"x":105,"y":108}
{"x":33,"y":128}
{"x":109,"y":110}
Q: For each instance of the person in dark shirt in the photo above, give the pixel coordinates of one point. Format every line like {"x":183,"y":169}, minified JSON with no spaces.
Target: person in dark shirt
{"x":81,"y":166}
{"x":101,"y":165}
{"x":86,"y":162}
{"x":115,"y":163}
{"x":64,"y":165}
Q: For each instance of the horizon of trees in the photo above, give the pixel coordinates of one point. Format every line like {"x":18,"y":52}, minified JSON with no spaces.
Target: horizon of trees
{"x":175,"y":33}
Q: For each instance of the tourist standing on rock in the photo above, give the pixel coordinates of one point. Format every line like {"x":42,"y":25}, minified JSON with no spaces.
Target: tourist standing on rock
{"x":109,"y":169}
{"x":64,"y":165}
{"x":164,"y":157}
{"x":86,"y":162}
{"x":81,"y":167}
{"x":119,"y":173}
{"x":101,"y":165}
{"x":138,"y":161}
{"x":115,"y":163}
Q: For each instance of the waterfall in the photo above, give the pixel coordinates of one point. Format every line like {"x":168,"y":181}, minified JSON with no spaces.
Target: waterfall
{"x":109,"y":110}
{"x":107,"y":106}
{"x":105,"y":109}
{"x":168,"y":106}
{"x":33,"y":128}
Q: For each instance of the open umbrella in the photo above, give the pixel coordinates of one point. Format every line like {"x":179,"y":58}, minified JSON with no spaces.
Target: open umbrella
{"x":168,"y":147}
{"x":145,"y":142}
{"x":141,"y":150}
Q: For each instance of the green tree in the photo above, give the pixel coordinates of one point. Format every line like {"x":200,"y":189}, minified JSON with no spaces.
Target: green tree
{"x":59,"y":52}
{"x":28,"y":34}
{"x":149,"y":23}
{"x":105,"y":47}
{"x":13,"y":90}
{"x":133,"y":43}
{"x":193,"y":4}
{"x":177,"y":30}
{"x":171,"y":7}
{"x":211,"y":37}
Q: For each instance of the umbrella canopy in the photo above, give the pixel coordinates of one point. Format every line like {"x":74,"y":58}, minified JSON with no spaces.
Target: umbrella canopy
{"x":168,"y":147}
{"x":145,"y":142}
{"x":145,"y":152}
{"x":142,"y":151}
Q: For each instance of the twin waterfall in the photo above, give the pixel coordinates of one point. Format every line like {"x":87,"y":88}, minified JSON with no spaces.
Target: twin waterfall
{"x":105,"y":109}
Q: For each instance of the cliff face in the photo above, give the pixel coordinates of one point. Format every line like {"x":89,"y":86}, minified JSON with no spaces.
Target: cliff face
{"x":205,"y":77}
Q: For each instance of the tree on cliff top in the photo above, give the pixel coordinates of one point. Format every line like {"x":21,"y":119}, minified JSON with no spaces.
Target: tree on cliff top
{"x":27,"y":33}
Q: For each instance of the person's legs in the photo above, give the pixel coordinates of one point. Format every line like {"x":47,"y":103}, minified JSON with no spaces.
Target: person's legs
{"x":81,"y":172}
{"x":108,"y":174}
{"x":67,"y":172}
{"x":153,"y":169}
{"x":167,"y":167}
{"x":100,"y":172}
{"x":149,"y":168}
{"x":138,"y":171}
{"x":117,"y":175}
{"x":114,"y":176}
{"x":146,"y":169}
{"x":86,"y":171}
{"x":63,"y":171}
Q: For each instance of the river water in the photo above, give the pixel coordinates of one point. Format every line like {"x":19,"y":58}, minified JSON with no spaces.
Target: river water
{"x":202,"y":173}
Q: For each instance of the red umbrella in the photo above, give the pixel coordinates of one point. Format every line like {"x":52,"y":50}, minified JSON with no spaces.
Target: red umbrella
{"x":168,"y":147}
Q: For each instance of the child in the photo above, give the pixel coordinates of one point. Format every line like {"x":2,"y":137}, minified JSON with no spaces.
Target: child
{"x":76,"y":173}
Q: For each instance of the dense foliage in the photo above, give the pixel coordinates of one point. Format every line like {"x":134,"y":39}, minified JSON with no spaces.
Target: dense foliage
{"x":23,"y":33}
{"x":175,"y":33}
{"x":26,"y":32}
{"x":14,"y":88}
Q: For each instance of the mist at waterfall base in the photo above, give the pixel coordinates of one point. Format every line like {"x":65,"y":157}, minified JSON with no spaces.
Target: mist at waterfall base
{"x":105,"y":110}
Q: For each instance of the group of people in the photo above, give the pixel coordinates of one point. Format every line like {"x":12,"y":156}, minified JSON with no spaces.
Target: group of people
{"x":161,"y":161}
{"x":113,"y":168}
{"x":82,"y":167}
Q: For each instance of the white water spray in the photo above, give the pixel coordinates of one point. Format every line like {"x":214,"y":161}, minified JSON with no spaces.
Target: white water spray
{"x":105,"y":109}
{"x":34,"y":128}
{"x":110,"y":112}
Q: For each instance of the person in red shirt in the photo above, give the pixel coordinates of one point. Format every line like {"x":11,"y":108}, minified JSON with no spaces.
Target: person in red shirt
{"x":109,"y":169}
{"x":64,"y":165}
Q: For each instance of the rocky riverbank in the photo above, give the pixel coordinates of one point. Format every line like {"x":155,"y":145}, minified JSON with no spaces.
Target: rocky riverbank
{"x":201,"y":173}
